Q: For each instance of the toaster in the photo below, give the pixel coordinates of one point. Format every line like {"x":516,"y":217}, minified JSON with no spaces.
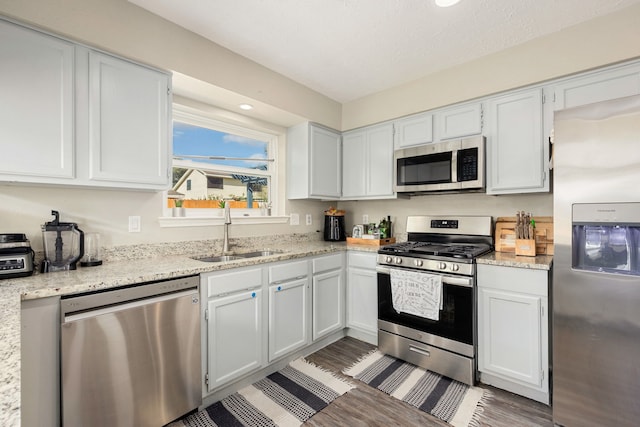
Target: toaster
{"x":16,"y":256}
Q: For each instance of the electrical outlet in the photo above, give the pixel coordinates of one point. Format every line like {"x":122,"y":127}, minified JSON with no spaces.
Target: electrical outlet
{"x":365,"y":219}
{"x":309,"y":219}
{"x":134,"y":224}
{"x":295,"y":219}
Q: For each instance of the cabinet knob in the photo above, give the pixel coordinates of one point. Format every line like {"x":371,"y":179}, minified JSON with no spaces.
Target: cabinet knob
{"x":279,"y":288}
{"x":253,"y":294}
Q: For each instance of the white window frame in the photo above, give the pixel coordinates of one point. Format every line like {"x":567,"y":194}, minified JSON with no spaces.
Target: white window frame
{"x":203,"y":216}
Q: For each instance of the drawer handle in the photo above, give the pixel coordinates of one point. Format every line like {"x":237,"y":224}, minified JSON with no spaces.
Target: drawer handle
{"x":279,"y":288}
{"x":253,"y":294}
{"x":420,"y":351}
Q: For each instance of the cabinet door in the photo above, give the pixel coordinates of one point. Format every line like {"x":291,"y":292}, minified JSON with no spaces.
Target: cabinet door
{"x":413,"y":130}
{"x":326,"y":166}
{"x":287,"y":317}
{"x":460,"y":121}
{"x":515,"y":144}
{"x":36,"y":105}
{"x":362,"y":300}
{"x":129,"y":112}
{"x":380,"y":161}
{"x":328,"y":303}
{"x":599,"y":86}
{"x":235,"y":336}
{"x":354,"y":167}
{"x":509,"y":335}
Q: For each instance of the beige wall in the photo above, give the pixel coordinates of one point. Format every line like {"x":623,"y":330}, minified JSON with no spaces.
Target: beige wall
{"x":602,"y":41}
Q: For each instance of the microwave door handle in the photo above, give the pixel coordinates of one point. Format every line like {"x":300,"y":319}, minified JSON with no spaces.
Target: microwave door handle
{"x":454,"y":166}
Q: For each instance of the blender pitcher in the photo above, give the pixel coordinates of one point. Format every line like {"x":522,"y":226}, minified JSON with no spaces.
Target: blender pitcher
{"x":63,"y":245}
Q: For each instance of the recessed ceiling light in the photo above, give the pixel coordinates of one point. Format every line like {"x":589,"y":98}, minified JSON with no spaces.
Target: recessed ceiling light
{"x":246,"y":107}
{"x":446,"y":3}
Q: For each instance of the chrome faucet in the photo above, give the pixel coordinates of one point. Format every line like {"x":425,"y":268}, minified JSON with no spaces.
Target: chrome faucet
{"x":227,"y":221}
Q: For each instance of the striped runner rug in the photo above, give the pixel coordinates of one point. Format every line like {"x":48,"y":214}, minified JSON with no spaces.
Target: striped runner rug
{"x":285,"y":398}
{"x":451,"y":401}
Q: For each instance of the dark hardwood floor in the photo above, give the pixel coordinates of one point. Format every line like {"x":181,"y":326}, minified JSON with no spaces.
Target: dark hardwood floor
{"x":367,"y":406}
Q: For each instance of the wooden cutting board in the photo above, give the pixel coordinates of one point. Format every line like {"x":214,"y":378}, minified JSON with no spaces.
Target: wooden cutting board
{"x":370,"y":242}
{"x":505,"y":235}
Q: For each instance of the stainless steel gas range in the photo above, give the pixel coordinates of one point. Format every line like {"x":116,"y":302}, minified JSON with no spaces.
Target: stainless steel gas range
{"x":427,"y":293}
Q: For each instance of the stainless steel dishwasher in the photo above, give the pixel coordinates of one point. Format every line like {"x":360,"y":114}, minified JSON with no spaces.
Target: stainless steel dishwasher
{"x":131,"y":356}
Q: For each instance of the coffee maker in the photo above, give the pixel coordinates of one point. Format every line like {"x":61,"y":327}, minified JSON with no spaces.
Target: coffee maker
{"x":63,"y":245}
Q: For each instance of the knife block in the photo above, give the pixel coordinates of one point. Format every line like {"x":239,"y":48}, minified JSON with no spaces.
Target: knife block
{"x":526,"y":247}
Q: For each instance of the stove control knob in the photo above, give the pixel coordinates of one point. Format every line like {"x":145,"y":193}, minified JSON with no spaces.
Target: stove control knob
{"x":442,"y":266}
{"x":388,"y":259}
{"x":455,"y":267}
{"x":398,"y":260}
{"x":418,"y":262}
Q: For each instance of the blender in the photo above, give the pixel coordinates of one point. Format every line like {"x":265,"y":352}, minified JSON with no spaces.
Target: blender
{"x":63,"y":245}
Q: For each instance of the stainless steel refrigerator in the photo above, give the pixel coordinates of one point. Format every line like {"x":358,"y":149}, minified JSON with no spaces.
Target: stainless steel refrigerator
{"x":596,"y":271}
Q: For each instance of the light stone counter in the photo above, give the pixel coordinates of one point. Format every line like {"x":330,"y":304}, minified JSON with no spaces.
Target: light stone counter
{"x":124,"y":266}
{"x":506,"y":259}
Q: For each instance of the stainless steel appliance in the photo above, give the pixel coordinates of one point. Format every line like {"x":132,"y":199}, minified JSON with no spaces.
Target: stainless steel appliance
{"x":16,"y":256}
{"x":596,"y":272}
{"x":444,"y":248}
{"x":454,"y":165}
{"x":63,"y":245}
{"x":131,"y":356}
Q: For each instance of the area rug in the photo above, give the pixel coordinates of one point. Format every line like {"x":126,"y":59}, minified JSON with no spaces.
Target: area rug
{"x":449,"y":400}
{"x":285,"y":398}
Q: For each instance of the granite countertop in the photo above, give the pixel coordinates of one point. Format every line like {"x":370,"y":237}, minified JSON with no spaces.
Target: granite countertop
{"x":120,"y":270}
{"x":507,"y":259}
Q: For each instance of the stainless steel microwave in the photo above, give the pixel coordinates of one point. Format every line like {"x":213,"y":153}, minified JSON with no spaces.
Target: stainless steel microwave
{"x":453,"y":165}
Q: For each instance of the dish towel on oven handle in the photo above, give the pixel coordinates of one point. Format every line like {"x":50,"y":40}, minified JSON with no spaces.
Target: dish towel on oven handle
{"x":416,"y":293}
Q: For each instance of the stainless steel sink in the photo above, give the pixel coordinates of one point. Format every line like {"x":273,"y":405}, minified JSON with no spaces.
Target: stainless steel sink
{"x":221,"y":258}
{"x":226,"y":258}
{"x":259,"y":254}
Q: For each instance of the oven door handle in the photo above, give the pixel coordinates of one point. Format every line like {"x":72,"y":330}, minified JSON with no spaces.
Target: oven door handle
{"x":466,"y":282}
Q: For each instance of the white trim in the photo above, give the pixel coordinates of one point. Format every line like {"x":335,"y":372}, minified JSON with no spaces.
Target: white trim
{"x":201,"y":118}
{"x":206,"y":221}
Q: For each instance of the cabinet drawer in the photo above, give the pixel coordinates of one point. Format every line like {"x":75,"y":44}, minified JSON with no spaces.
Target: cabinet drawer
{"x":288,"y":271}
{"x":233,"y":281}
{"x":327,"y":263}
{"x":522,"y":280}
{"x":362,"y":260}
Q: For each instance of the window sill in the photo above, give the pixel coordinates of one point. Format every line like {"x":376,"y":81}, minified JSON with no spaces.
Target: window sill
{"x":206,"y":221}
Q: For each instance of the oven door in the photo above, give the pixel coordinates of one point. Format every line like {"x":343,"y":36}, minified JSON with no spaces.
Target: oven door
{"x":455,"y":328}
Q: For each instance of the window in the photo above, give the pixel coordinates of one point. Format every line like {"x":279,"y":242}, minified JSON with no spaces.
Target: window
{"x":215,"y":162}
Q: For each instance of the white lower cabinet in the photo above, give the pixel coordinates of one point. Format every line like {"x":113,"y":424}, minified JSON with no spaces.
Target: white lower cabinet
{"x":362,"y":296}
{"x":235,"y":336}
{"x":288,"y":308}
{"x":234,"y":324}
{"x":256,"y":316}
{"x":328,"y":295}
{"x":513,"y":330}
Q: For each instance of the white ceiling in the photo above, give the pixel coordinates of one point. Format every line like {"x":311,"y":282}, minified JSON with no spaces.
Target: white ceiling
{"x":347,"y":49}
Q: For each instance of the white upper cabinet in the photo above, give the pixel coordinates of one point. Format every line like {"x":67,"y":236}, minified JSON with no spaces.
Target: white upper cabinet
{"x":367,"y":169}
{"x":517,"y":153}
{"x":459,"y":121}
{"x":603,"y":85}
{"x":413,"y":130}
{"x":75,"y":116}
{"x":36,"y":105}
{"x":314,"y":167}
{"x":129,"y":126}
